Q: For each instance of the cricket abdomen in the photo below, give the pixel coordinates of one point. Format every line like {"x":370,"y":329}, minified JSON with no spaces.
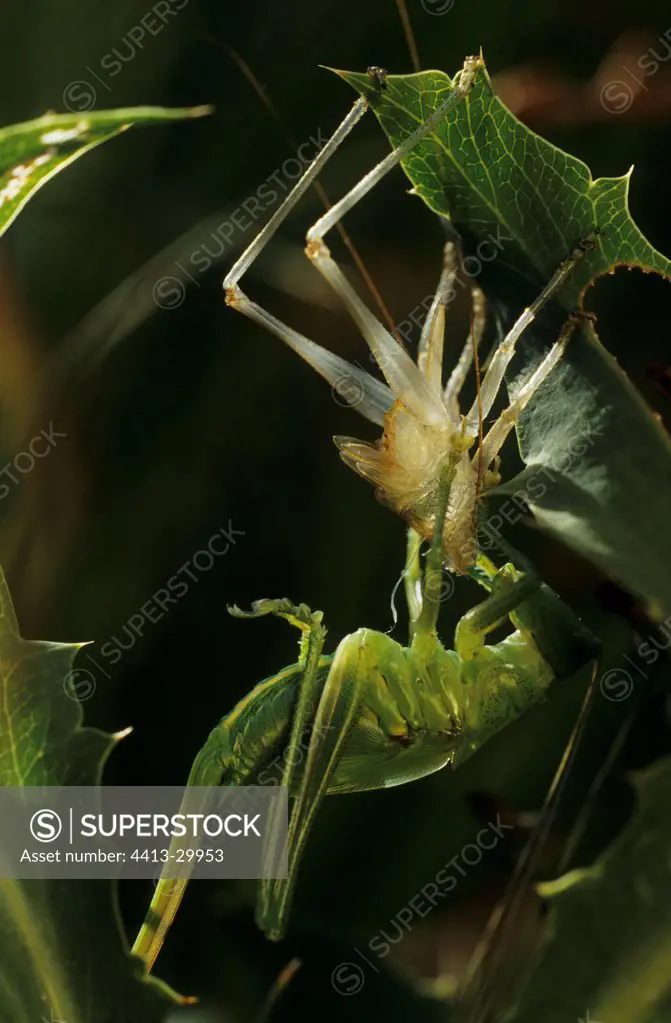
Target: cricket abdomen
{"x":403,"y":730}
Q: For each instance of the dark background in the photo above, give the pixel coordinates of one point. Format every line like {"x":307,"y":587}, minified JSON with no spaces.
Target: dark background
{"x":180,"y":421}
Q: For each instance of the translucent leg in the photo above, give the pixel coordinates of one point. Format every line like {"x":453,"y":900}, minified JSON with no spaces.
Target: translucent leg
{"x":401,"y":372}
{"x":403,"y":376}
{"x":506,"y":349}
{"x":460,"y":371}
{"x":494,"y":439}
{"x":463,"y":85}
{"x":297,"y":192}
{"x":432,"y":341}
{"x":375,"y":398}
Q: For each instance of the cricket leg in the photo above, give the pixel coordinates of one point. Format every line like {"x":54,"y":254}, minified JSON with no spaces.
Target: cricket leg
{"x":376,"y":398}
{"x":506,"y":348}
{"x":313,"y":635}
{"x":401,"y":372}
{"x":458,"y":375}
{"x":214,"y":765}
{"x":493,"y":441}
{"x":218,"y":764}
{"x":563,"y":640}
{"x":336,"y":713}
{"x":509,"y":589}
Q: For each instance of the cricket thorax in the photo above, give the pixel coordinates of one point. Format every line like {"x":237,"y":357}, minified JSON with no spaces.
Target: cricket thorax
{"x":406,"y":466}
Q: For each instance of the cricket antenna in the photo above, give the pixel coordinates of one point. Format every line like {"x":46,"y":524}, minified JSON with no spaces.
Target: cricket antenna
{"x":261,"y":92}
{"x":409,"y":34}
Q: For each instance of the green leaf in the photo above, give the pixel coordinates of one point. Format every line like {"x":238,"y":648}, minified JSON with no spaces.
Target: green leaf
{"x":61,"y":951}
{"x":492,"y":176}
{"x":33,"y":152}
{"x":521,"y":205}
{"x":608,"y":944}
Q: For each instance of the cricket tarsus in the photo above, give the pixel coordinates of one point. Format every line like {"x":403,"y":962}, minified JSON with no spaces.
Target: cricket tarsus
{"x":379,"y":74}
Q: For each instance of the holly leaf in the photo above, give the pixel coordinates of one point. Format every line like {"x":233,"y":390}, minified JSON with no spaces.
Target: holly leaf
{"x":593,"y":450}
{"x":62,"y":956}
{"x":34,"y":152}
{"x":494,"y":177}
{"x":605,"y":957}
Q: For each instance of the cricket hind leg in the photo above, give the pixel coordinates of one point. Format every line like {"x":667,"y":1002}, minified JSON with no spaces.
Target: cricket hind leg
{"x":211,"y":767}
{"x":328,"y":710}
{"x":402,"y":374}
{"x":272,"y":717}
{"x":237,"y":752}
{"x":305,"y":712}
{"x":336,"y":711}
{"x":375,"y":398}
